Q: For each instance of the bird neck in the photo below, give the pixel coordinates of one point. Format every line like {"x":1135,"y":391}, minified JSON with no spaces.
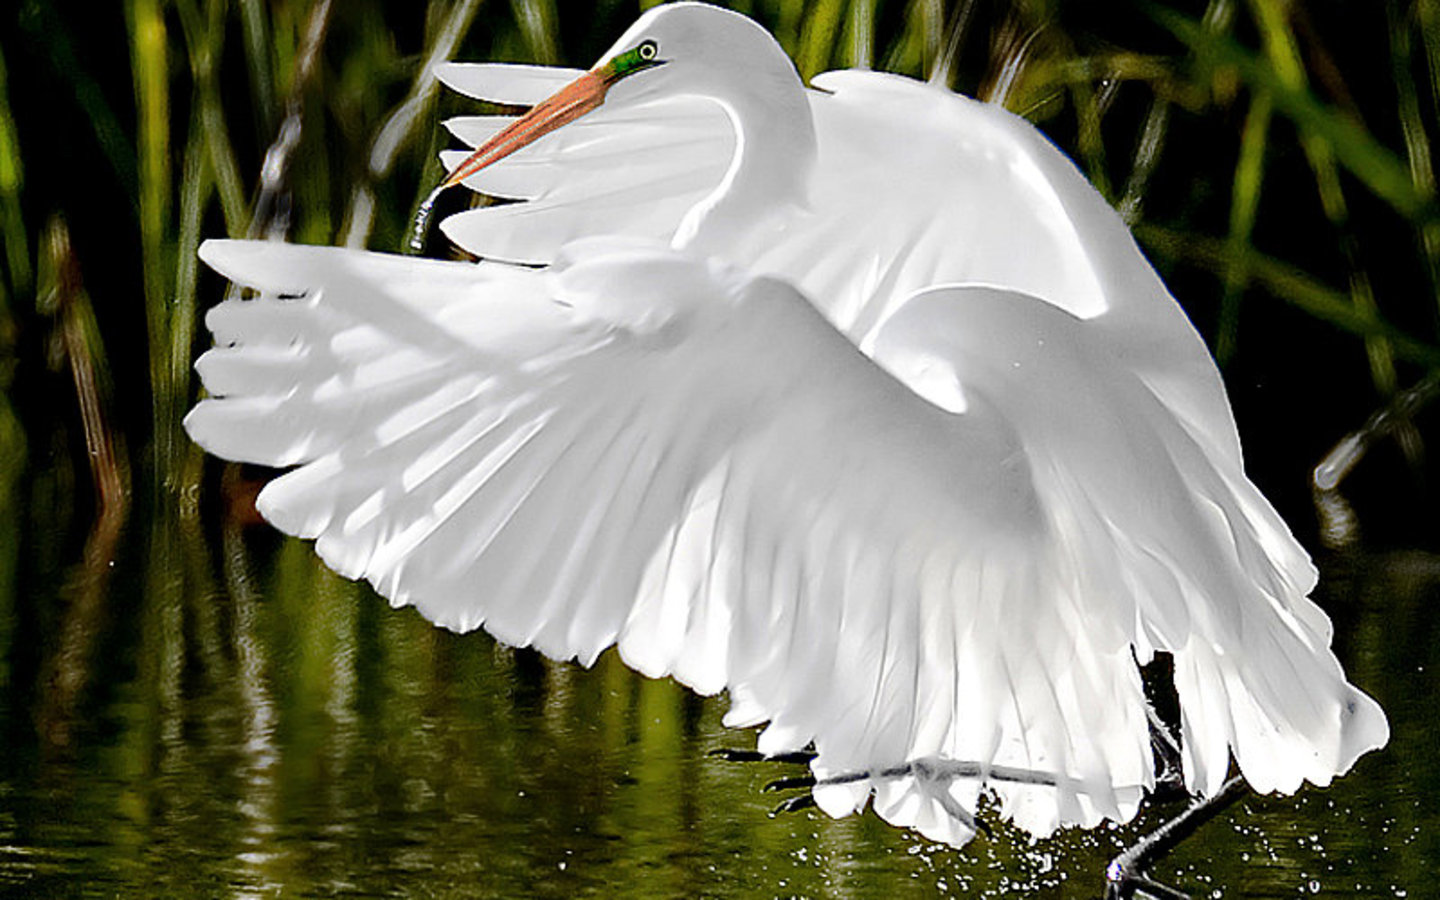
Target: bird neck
{"x":775,"y":149}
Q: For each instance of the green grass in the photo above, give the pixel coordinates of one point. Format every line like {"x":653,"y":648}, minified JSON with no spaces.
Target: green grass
{"x":1250,"y":87}
{"x":211,"y":83}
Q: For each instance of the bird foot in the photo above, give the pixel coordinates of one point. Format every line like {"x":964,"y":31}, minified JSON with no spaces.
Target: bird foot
{"x":1128,"y":874}
{"x":794,"y":804}
{"x":736,"y":754}
{"x":801,"y":782}
{"x":790,"y":783}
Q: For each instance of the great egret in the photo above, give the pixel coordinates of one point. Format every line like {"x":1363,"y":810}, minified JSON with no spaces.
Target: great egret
{"x":858,"y":403}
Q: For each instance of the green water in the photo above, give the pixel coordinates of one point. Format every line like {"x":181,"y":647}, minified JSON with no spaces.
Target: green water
{"x":205,"y":711}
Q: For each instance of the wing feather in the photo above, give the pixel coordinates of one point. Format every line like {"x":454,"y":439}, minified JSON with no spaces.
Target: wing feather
{"x":644,"y":449}
{"x":731,"y":491}
{"x":507,"y":84}
{"x":1186,"y":566}
{"x":914,"y":187}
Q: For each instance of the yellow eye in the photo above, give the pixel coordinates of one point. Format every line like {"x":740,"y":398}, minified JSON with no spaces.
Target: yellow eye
{"x":648,"y":50}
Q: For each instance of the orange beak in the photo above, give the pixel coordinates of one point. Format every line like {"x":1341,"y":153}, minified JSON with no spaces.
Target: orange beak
{"x":563,"y":107}
{"x":577,"y":98}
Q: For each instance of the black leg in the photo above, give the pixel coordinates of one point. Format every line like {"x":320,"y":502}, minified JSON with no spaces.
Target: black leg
{"x":1128,"y":874}
{"x":937,"y":771}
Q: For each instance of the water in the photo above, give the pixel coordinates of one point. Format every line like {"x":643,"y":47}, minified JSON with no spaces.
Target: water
{"x":203,"y":710}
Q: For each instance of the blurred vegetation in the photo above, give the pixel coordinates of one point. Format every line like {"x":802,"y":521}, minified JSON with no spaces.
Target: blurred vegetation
{"x":1263,"y":149}
{"x":1275,"y":158}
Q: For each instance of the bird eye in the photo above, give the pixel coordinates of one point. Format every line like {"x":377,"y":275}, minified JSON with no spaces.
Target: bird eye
{"x":648,"y":50}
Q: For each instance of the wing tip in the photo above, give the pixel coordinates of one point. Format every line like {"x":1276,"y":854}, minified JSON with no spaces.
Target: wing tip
{"x":1363,"y":728}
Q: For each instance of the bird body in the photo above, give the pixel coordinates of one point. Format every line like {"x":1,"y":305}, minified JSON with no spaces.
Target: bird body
{"x":858,"y":403}
{"x":909,"y":186}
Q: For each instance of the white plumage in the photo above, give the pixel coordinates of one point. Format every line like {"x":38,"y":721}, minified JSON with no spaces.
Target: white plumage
{"x":899,"y":440}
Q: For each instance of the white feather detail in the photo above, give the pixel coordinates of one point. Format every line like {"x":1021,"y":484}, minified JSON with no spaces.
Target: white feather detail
{"x":644,"y":449}
{"x":880,"y":224}
{"x":508,"y":84}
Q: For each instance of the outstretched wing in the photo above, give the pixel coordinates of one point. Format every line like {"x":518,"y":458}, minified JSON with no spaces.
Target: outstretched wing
{"x":642,"y":449}
{"x":1164,"y":543}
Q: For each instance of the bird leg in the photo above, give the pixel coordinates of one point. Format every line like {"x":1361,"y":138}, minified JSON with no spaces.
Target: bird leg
{"x":1162,"y":710}
{"x":1128,"y":874}
{"x":934,"y":769}
{"x":1169,"y":773}
{"x":929,"y":771}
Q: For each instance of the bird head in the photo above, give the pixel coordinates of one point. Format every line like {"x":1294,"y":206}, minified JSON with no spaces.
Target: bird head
{"x":672,"y":50}
{"x":691,"y":49}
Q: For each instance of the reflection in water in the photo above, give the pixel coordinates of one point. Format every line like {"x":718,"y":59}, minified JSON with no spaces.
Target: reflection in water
{"x":64,"y":298}
{"x":257,"y":715}
{"x":251,"y":724}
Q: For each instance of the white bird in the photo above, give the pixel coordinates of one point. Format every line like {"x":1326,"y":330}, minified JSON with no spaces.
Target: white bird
{"x":857,"y":402}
